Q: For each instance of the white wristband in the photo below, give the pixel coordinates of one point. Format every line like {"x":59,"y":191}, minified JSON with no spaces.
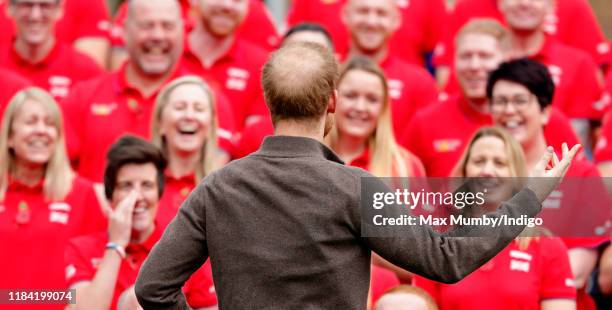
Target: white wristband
{"x":119,"y":249}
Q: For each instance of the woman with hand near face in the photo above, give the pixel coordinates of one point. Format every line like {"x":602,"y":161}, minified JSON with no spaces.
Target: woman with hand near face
{"x":531,"y":272}
{"x":43,"y":202}
{"x":184,"y":126}
{"x":363,"y":136}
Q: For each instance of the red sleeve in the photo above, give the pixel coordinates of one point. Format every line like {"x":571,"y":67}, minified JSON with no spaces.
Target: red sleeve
{"x":412,"y":137}
{"x":431,"y":287}
{"x":73,"y":113}
{"x":258,"y":27}
{"x":298,"y":12}
{"x":559,"y":130}
{"x":95,"y":220}
{"x":87,"y":18}
{"x":603,"y":149}
{"x":199,"y":289}
{"x":581,"y":30}
{"x":435,"y":24}
{"x":252,"y":136}
{"x":78,"y":266}
{"x":587,"y":91}
{"x":557,"y":277}
{"x":226,"y":129}
{"x":87,"y":68}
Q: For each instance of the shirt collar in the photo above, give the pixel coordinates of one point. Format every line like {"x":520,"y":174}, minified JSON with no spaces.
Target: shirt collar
{"x":544,"y":55}
{"x":147,"y":245}
{"x":188,"y":178}
{"x":15,"y":185}
{"x":291,"y":146}
{"x":471,"y":113}
{"x":231,"y":53}
{"x":123,"y":86}
{"x":55,"y":50}
{"x":363,"y":160}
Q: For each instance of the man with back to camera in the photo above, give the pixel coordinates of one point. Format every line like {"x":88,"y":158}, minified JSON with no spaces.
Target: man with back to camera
{"x":283,"y":226}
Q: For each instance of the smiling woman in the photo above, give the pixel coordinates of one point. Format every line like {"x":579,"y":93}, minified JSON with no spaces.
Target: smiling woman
{"x":42,"y":202}
{"x":184,"y":126}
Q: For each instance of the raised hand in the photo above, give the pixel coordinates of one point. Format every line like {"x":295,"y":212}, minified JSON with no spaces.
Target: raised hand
{"x":549,"y":171}
{"x":120,"y":220}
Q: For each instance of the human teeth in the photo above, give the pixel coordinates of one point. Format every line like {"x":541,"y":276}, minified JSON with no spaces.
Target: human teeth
{"x":512,"y":124}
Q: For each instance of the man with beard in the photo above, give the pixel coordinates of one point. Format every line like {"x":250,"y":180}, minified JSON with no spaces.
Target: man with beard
{"x":371,"y":24}
{"x":103,"y":109}
{"x":215,"y":48}
{"x":283,"y":226}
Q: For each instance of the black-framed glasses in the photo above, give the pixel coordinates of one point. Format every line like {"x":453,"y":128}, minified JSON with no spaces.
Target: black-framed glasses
{"x":27,"y":6}
{"x":519,"y":102}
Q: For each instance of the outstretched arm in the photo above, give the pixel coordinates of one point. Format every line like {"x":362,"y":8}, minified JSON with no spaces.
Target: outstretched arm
{"x":449,"y":257}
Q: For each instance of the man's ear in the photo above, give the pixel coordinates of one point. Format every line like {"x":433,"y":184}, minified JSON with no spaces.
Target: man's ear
{"x":331,"y":106}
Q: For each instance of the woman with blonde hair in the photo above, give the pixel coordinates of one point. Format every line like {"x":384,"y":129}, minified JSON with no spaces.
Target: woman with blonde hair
{"x":363,"y":135}
{"x":531,"y":272}
{"x":184,"y":126}
{"x":42,"y":202}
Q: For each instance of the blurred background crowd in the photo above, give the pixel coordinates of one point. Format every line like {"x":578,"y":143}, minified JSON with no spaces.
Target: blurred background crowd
{"x":113,"y":111}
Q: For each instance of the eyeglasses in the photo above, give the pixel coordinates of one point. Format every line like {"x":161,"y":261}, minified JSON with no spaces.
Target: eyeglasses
{"x":25,"y":6}
{"x":500,"y":104}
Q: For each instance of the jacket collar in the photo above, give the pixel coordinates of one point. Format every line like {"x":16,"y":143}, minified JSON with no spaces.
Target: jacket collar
{"x":291,"y":146}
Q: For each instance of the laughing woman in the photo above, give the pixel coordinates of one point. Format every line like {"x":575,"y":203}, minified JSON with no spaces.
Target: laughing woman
{"x":42,"y":202}
{"x":184,"y":126}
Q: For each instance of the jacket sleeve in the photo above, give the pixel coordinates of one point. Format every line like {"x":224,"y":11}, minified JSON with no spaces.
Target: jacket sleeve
{"x":178,"y":254}
{"x":451,"y":256}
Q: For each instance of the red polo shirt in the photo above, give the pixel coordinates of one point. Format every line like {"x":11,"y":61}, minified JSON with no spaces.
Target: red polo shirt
{"x":421,"y":27}
{"x":514,"y":279}
{"x":381,"y":281}
{"x":84,"y":254}
{"x":175,"y":192}
{"x":412,"y":163}
{"x":34,"y":233}
{"x":573,"y":24}
{"x":258,"y":27}
{"x":11,"y":84}
{"x":80,"y":19}
{"x":603,"y":149}
{"x":438,"y":135}
{"x":411,"y":89}
{"x":103,"y":109}
{"x":57,"y":72}
{"x":238,"y":73}
{"x":578,"y":91}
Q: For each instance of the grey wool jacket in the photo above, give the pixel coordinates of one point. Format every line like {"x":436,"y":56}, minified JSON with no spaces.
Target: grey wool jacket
{"x":282,"y":228}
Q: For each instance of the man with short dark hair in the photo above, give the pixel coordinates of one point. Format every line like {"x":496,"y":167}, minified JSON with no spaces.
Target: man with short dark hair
{"x":283,"y":225}
{"x":102,"y":267}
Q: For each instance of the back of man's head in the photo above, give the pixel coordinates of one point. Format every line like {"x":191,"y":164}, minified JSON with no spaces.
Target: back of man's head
{"x":298,"y":82}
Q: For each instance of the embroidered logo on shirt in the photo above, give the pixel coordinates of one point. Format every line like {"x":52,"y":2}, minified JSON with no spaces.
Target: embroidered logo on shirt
{"x":396,"y":87}
{"x":103,"y":109}
{"x":446,"y":145}
{"x":553,"y":201}
{"x":519,"y":265}
{"x":570,"y":282}
{"x":59,"y":86}
{"x":237,"y":79}
{"x":520,"y":255}
{"x":59,"y":213}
